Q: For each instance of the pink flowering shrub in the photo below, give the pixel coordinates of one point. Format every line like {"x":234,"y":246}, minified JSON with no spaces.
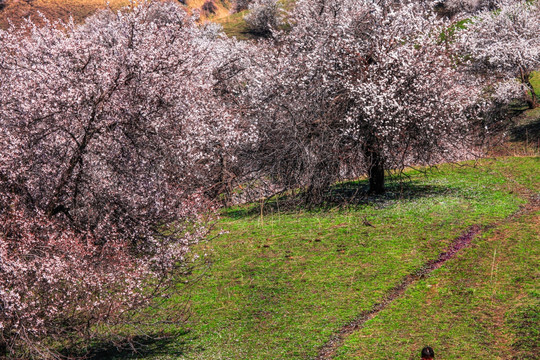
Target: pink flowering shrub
{"x":55,"y":281}
{"x":58,"y":284}
{"x":358,"y":87}
{"x":109,"y":133}
{"x":504,"y":45}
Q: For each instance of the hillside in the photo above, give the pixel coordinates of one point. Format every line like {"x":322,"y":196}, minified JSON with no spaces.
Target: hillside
{"x":18,"y":10}
{"x":135,"y":152}
{"x":447,"y":258}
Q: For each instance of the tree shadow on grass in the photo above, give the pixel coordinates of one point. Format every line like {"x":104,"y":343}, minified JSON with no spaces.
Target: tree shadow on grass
{"x":140,"y":347}
{"x":524,"y":323}
{"x":342,"y":195}
{"x":528,"y":131}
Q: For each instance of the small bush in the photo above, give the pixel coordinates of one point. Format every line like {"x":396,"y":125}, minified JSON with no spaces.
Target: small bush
{"x":241,"y":5}
{"x":264,"y":15}
{"x":209,"y":8}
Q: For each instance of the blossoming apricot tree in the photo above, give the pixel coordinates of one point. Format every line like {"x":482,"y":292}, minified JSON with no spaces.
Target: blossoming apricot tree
{"x":108,"y":135}
{"x":504,"y":45}
{"x":359,"y":87}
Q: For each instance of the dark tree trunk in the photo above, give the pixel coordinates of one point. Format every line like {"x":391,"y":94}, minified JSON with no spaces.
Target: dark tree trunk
{"x":376,"y":178}
{"x":532,"y":99}
{"x":53,"y":206}
{"x":375,"y":166}
{"x":3,"y":350}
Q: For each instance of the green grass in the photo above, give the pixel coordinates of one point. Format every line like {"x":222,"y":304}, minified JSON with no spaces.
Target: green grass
{"x":482,"y":305}
{"x":280,"y":285}
{"x":235,"y":26}
{"x":535,"y":82}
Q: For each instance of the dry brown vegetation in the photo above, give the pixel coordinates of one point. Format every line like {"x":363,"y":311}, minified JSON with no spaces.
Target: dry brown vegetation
{"x":16,"y":11}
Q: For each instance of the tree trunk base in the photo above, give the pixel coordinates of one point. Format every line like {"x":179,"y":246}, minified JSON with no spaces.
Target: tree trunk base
{"x":376,"y":180}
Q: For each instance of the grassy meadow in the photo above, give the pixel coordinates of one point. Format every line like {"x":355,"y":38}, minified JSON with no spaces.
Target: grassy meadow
{"x":281,"y":283}
{"x":535,"y":82}
{"x":281,"y":279}
{"x":484,"y":304}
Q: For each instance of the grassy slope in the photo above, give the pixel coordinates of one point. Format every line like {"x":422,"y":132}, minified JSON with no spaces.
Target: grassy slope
{"x":279,"y":288}
{"x":535,"y":82}
{"x":234,"y":25}
{"x":485,"y":304}
{"x":17,"y":10}
{"x":475,"y":307}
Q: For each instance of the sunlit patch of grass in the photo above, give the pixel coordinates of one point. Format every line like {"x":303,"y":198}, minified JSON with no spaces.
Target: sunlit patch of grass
{"x":282,"y":283}
{"x":480,"y":305}
{"x":535,"y":82}
{"x":235,"y":26}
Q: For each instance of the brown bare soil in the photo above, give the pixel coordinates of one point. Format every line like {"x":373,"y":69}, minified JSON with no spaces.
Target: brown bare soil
{"x":17,"y":12}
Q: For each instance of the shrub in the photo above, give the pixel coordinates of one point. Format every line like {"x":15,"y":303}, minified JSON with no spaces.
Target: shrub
{"x":264,"y":16}
{"x":241,"y":5}
{"x":109,"y":133}
{"x":209,"y":7}
{"x":359,"y":88}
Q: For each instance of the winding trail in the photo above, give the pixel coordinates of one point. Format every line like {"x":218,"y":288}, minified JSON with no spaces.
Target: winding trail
{"x":328,"y":351}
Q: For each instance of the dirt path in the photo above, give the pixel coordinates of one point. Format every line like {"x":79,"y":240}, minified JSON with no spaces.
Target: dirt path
{"x":328,"y":351}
